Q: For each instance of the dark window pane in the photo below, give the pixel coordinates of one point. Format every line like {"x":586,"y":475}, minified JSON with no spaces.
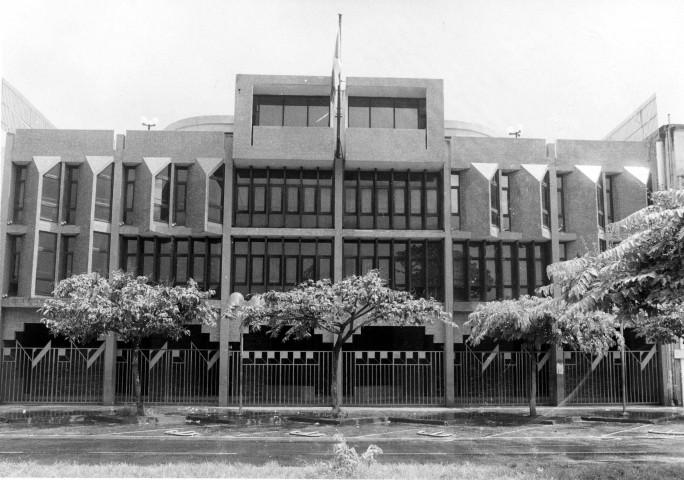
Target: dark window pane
{"x":358,"y":112}
{"x":274,"y":271}
{"x":416,"y":197}
{"x":350,"y":200}
{"x":383,"y":202}
{"x":326,"y":200}
{"x":240,"y":273}
{"x":399,"y":201}
{"x":270,"y":111}
{"x":309,"y":200}
{"x":366,"y":200}
{"x":293,"y":199}
{"x":432,"y":202}
{"x":276,"y":199}
{"x":257,"y":270}
{"x":49,"y":204}
{"x":406,"y":113}
{"x":295,"y":112}
{"x":259,"y":199}
{"x":319,"y":113}
{"x":382,"y":113}
{"x":103,"y":195}
{"x":45,"y":266}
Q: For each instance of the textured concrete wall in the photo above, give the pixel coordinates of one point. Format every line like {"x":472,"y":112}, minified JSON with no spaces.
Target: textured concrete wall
{"x":509,"y":153}
{"x":613,"y":156}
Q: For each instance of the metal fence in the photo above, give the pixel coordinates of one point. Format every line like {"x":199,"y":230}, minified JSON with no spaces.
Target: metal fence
{"x":368,"y":378}
{"x":169,"y":376}
{"x":280,"y":377}
{"x":499,"y":378}
{"x":592,"y":379}
{"x":51,"y":374}
{"x":393,"y":378}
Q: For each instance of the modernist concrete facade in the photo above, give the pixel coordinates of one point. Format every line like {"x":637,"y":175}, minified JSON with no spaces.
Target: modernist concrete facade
{"x":461,"y":218}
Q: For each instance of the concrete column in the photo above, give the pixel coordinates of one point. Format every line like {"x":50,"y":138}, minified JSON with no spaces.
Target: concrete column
{"x":109,"y":374}
{"x":449,"y":390}
{"x":557,"y":376}
{"x":665,"y":357}
{"x":224,"y":327}
{"x":6,"y":178}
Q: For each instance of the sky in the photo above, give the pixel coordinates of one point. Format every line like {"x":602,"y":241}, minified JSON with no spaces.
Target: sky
{"x":561,"y":69}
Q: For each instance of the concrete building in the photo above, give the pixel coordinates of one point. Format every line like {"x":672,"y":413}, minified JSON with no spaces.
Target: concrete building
{"x":259,"y":201}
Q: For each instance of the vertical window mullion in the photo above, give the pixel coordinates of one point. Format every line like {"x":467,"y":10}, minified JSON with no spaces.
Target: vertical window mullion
{"x":499,"y":270}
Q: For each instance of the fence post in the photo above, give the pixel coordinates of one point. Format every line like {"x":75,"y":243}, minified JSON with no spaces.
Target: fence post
{"x":557,"y":374}
{"x":665,"y":355}
{"x":224,"y":362}
{"x":109,"y":374}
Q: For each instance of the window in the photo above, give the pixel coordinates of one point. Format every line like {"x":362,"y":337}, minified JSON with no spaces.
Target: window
{"x":49,"y":201}
{"x":260,"y":265}
{"x":129,"y":193}
{"x":505,"y":203}
{"x":162,"y":194}
{"x":20,"y":175}
{"x":66,"y":261}
{"x":387,"y":112}
{"x":392,"y":200}
{"x":215,"y":196}
{"x":455,"y":201}
{"x":71,"y":194}
{"x":412,"y":265}
{"x":600,"y":203}
{"x":100,"y":260}
{"x":180,"y":195}
{"x":16,"y":245}
{"x":560,"y":196}
{"x":563,"y":252}
{"x":610,"y":198}
{"x":283,"y":198}
{"x":291,"y":111}
{"x":498,"y":270}
{"x":546,"y":201}
{"x":103,"y":194}
{"x":494,"y":202}
{"x":174,"y":260}
{"x":45,"y":271}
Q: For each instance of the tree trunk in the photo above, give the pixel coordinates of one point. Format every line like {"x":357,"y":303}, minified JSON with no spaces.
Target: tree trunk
{"x":139,"y":409}
{"x":336,"y":380}
{"x":533,"y":385}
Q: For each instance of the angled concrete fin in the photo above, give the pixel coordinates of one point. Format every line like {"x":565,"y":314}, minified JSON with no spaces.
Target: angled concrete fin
{"x":97,"y":164}
{"x":209,"y":165}
{"x":43,"y":164}
{"x":640,"y":173}
{"x":536,"y":170}
{"x":486,"y":169}
{"x":593,"y":172}
{"x":156,"y":164}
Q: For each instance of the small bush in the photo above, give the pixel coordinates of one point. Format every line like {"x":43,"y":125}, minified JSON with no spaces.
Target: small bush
{"x":347,"y":461}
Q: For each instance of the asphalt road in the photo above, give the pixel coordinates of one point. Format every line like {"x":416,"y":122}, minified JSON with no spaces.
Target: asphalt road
{"x":287,"y":451}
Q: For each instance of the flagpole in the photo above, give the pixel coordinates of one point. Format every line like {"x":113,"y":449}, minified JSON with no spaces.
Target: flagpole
{"x":338,"y":149}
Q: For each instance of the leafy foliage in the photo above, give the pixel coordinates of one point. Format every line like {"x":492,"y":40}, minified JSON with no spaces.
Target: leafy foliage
{"x":341,"y":308}
{"x":642,"y":278}
{"x":539,"y":321}
{"x":347,"y":461}
{"x":86,"y":306}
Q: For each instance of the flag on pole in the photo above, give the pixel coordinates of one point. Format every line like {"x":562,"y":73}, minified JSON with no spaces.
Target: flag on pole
{"x":339,"y":85}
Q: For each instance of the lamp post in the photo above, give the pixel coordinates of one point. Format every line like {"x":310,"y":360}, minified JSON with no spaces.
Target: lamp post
{"x":149,"y":123}
{"x":236,"y":301}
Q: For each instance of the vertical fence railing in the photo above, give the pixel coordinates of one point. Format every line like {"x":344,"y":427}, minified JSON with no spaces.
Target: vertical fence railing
{"x":169,"y":376}
{"x":499,"y":378}
{"x":591,"y":379}
{"x":393,"y":378}
{"x":280,"y":377}
{"x":52,"y":374}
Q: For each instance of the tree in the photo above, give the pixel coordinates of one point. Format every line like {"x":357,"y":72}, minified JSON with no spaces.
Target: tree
{"x":86,"y":306}
{"x":542,"y":321}
{"x":643,"y":275}
{"x":341,"y":308}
